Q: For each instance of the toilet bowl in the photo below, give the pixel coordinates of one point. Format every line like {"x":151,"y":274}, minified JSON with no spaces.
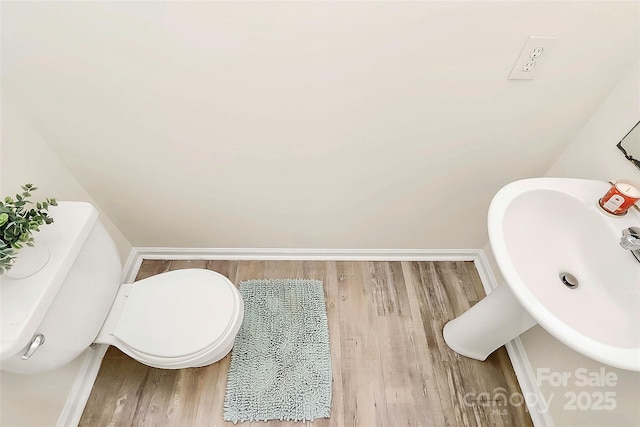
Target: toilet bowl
{"x":179,"y":319}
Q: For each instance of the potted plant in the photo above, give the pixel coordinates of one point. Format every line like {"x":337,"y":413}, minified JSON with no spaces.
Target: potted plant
{"x":19,"y":219}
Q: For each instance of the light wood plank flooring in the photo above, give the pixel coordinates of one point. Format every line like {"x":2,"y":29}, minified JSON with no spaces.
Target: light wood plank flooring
{"x":390,"y":364}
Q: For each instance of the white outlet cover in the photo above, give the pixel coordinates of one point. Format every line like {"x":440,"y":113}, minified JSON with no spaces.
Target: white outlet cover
{"x":526,"y":55}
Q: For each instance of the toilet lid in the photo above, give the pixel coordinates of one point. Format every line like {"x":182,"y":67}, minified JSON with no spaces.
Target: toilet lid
{"x":177,"y":313}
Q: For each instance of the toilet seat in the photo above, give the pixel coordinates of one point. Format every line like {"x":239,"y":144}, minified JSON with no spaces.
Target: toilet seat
{"x":176,"y":319}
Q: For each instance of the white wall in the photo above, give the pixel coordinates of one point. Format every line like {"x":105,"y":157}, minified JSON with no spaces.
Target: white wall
{"x":307,"y":124}
{"x":37,"y":400}
{"x":25,"y":157}
{"x":592,"y":155}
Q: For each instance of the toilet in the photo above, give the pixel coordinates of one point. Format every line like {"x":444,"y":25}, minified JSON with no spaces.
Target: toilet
{"x":173,"y":320}
{"x":179,"y":319}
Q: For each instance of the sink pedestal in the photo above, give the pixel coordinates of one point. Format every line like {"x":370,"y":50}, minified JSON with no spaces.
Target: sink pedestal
{"x":491,"y":323}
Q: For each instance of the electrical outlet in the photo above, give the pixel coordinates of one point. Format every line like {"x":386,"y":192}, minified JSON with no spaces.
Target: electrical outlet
{"x":536,"y":52}
{"x":533,"y":54}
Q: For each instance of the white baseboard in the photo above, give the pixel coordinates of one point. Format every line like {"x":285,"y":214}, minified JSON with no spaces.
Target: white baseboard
{"x":250,"y":254}
{"x":84,"y":382}
{"x":81,"y":389}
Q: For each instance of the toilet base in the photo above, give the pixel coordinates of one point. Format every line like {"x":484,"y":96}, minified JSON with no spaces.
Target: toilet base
{"x":491,"y":323}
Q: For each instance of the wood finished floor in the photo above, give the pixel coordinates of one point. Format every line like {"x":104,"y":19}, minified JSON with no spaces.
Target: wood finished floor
{"x":390,"y":364}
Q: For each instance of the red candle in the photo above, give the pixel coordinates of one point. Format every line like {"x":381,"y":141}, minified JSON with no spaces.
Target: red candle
{"x":620,"y":197}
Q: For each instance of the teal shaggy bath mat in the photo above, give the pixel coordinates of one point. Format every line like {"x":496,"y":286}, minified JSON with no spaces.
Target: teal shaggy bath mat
{"x":280,"y":363}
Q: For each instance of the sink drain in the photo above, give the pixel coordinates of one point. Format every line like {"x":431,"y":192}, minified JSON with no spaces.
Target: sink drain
{"x":569,"y":280}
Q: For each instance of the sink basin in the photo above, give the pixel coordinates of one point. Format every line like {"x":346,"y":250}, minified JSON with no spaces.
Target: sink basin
{"x":542,"y":228}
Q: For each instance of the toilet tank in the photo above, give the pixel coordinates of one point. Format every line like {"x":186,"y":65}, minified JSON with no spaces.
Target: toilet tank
{"x":66,"y":301}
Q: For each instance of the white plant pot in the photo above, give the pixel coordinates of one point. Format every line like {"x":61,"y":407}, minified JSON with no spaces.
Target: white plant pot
{"x":29,"y":261}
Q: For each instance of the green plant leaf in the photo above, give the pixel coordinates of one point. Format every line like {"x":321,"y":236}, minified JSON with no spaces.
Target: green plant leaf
{"x":18,"y":223}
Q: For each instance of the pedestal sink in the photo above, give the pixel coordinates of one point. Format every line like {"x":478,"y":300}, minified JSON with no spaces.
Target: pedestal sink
{"x":548,"y":234}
